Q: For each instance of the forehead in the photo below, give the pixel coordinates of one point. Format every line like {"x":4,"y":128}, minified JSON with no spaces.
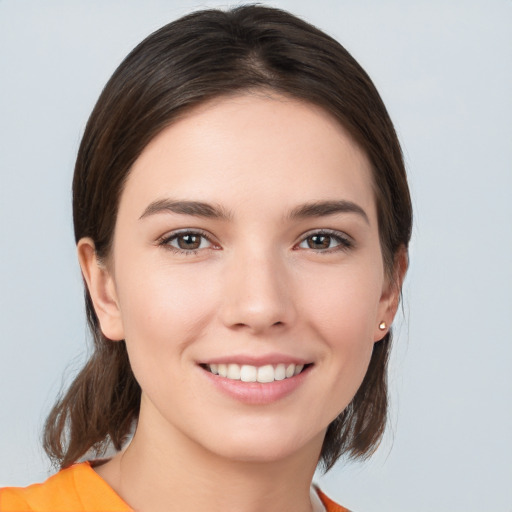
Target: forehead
{"x":245,"y":148}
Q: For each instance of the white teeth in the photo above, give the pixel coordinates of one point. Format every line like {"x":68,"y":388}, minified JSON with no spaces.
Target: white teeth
{"x":279,"y":372}
{"x":262,"y":374}
{"x":248,"y":373}
{"x":233,"y":372}
{"x":223,"y":370}
{"x":265,"y":373}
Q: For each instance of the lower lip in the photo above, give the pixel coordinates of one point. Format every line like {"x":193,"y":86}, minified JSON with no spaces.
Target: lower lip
{"x":256,"y":393}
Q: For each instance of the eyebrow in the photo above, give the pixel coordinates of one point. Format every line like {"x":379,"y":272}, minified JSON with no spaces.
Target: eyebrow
{"x":195,"y":208}
{"x":211,"y":211}
{"x":324,"y":208}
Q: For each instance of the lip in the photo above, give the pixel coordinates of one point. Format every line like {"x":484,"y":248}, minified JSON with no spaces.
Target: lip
{"x":251,"y":360}
{"x":256,"y":393}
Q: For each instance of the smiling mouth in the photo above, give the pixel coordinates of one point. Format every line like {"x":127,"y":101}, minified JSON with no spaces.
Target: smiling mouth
{"x":262,"y":374}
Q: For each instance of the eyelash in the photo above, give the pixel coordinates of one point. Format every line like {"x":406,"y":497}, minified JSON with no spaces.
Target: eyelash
{"x":344,"y":243}
{"x":166,"y":240}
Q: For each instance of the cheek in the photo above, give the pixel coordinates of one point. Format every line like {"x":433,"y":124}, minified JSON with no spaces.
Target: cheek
{"x":163,"y":312}
{"x":343,"y":311}
{"x":344,"y":303}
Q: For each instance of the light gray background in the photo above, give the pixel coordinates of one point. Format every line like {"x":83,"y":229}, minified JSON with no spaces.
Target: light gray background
{"x":444,"y":70}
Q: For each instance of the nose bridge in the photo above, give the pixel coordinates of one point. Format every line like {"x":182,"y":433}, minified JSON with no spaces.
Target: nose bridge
{"x":257,"y":292}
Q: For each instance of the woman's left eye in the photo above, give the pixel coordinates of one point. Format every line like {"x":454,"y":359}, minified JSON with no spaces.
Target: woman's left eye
{"x":325,"y":241}
{"x":186,"y":242}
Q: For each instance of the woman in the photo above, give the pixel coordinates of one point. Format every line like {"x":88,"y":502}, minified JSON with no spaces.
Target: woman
{"x":242,"y":219}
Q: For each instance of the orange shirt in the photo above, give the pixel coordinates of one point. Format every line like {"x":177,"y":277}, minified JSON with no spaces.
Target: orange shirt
{"x":79,"y":489}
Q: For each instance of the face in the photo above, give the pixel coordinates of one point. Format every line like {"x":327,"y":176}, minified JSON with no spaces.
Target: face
{"x":246,"y":276}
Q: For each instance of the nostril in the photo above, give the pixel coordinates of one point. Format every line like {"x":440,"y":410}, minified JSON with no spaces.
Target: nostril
{"x":241,"y":325}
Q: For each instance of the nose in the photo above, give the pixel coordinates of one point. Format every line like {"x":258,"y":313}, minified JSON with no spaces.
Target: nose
{"x":258,"y":293}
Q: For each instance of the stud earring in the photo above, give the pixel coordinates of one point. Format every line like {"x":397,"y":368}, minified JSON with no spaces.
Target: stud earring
{"x":382,"y":326}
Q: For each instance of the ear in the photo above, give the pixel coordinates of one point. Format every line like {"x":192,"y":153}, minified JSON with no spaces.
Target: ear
{"x":102,"y":290}
{"x":390,"y":298}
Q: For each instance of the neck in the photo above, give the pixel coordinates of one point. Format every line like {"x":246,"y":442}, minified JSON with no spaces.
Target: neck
{"x":171,"y":472}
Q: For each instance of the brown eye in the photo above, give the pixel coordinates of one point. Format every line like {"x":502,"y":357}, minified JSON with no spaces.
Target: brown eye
{"x":186,"y":242}
{"x":319,"y":241}
{"x":326,"y":241}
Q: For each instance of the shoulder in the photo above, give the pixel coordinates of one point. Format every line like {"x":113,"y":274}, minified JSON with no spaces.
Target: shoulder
{"x":77,"y":488}
{"x":330,"y":506}
{"x":56,"y":492}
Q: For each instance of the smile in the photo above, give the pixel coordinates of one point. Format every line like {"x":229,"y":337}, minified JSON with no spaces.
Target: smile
{"x":261,"y":383}
{"x":248,"y":373}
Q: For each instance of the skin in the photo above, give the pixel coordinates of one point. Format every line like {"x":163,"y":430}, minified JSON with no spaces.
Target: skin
{"x":259,"y":284}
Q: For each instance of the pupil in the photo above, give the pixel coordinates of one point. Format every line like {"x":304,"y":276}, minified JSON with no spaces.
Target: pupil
{"x":319,"y":242}
{"x":189,"y":241}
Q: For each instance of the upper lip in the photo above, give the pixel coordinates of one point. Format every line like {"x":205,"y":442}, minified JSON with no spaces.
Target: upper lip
{"x":253,"y":360}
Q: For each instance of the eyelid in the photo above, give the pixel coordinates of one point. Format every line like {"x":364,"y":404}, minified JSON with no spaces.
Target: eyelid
{"x":164,"y":240}
{"x":345,"y":241}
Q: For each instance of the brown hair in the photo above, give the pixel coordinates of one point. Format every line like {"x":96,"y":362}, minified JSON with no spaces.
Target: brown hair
{"x":204,"y":55}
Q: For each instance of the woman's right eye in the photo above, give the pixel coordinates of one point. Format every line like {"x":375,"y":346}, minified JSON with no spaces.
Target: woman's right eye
{"x":186,"y":242}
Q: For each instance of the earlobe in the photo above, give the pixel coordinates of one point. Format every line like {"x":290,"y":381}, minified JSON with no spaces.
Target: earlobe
{"x":390,"y":298}
{"x":101,"y":286}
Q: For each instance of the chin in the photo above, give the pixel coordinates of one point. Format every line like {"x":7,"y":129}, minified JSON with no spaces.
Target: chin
{"x":258,"y":454}
{"x":260,"y":447}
